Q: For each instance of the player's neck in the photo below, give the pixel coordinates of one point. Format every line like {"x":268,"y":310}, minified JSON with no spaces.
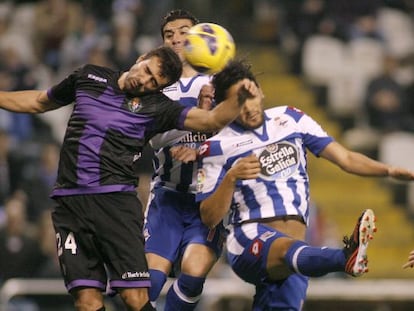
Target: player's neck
{"x":188,"y":71}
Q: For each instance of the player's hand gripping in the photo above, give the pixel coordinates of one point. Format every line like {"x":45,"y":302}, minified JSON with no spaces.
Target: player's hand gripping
{"x":245,"y":168}
{"x":183,"y":154}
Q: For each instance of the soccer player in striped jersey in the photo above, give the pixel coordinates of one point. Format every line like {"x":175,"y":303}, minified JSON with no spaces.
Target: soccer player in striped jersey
{"x":255,"y":172}
{"x":175,"y":235}
{"x":98,"y":218}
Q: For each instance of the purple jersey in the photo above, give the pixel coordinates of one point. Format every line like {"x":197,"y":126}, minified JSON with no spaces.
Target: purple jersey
{"x":107,"y":131}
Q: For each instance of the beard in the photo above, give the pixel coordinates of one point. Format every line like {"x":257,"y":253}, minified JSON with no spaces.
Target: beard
{"x":252,"y":125}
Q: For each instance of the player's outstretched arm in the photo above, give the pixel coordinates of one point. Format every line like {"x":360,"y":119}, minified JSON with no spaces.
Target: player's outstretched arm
{"x":410,"y":262}
{"x":225,"y":112}
{"x":359,"y":164}
{"x":32,"y":101}
{"x":215,"y":207}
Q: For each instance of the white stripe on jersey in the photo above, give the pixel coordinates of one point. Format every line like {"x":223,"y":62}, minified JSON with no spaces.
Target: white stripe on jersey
{"x":233,"y":246}
{"x":186,"y":90}
{"x":280,"y":144}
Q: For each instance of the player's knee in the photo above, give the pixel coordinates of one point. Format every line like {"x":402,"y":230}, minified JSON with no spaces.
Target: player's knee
{"x":191,"y":286}
{"x":135,"y":297}
{"x":88,"y":299}
{"x":88,"y":305}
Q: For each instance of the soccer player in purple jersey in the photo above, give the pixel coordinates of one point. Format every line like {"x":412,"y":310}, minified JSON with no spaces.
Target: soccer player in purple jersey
{"x":98,"y":218}
{"x":173,"y":230}
{"x":255,"y":172}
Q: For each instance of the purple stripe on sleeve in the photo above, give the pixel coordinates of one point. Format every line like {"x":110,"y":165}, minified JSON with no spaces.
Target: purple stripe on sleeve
{"x":182,"y":118}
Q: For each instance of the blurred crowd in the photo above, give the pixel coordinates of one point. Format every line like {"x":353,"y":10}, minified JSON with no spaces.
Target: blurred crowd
{"x":368,"y":86}
{"x":359,"y":58}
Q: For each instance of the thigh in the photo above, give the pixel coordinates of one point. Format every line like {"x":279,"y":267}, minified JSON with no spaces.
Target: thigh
{"x":195,"y":232}
{"x":79,"y":258}
{"x":119,"y":234}
{"x":163,"y":229}
{"x":248,"y":248}
{"x":288,"y":294}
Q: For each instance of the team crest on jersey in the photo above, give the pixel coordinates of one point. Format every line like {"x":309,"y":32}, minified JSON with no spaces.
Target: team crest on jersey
{"x":201,"y":177}
{"x":278,"y":160}
{"x":134,"y":104}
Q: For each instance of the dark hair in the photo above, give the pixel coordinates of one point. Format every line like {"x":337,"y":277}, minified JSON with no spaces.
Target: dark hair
{"x":171,"y":65}
{"x":234,"y":71}
{"x":177,"y":14}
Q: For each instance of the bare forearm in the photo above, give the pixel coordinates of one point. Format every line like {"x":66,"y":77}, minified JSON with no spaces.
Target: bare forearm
{"x":224,"y":112}
{"x":215,"y":119}
{"x":32,"y":101}
{"x":368,"y":167}
{"x":215,"y":207}
{"x":359,"y":164}
{"x":362,"y":165}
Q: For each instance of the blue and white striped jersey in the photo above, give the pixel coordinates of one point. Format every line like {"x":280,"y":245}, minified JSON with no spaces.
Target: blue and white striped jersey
{"x":281,"y":145}
{"x":170,"y":173}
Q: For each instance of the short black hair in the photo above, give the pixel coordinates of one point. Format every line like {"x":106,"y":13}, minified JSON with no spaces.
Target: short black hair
{"x":177,"y":14}
{"x":171,"y":65}
{"x":232,"y":73}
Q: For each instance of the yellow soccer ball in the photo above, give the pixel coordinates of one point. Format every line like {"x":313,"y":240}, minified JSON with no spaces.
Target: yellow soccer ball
{"x":209,"y":47}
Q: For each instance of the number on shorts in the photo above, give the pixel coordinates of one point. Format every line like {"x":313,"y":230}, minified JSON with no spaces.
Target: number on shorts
{"x":70,"y":243}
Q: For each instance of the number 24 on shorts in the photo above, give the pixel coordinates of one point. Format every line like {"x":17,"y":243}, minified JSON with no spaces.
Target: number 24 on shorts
{"x":70,"y":243}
